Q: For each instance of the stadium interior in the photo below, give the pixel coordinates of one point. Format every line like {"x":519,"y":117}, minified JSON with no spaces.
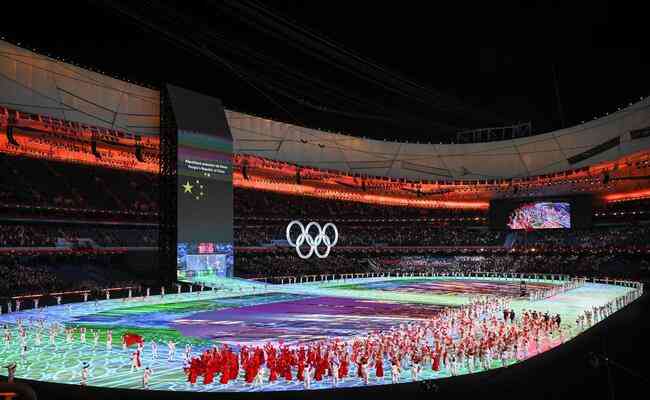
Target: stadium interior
{"x":83,"y":208}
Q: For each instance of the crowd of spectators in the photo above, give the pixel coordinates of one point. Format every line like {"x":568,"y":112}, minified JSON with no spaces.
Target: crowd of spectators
{"x":254,"y":234}
{"x":625,"y":212}
{"x":424,"y":233}
{"x":31,"y":182}
{"x":254,"y":204}
{"x":597,"y":265}
{"x":47,"y":235}
{"x":617,"y":236}
{"x":42,"y":190}
{"x":260,"y":265}
{"x":32,"y":277}
{"x":18,"y":278}
{"x":55,"y":202}
{"x":40,"y":275}
{"x":376,"y":234}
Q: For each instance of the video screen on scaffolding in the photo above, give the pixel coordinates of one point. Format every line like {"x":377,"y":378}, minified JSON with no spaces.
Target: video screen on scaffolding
{"x":204,"y":193}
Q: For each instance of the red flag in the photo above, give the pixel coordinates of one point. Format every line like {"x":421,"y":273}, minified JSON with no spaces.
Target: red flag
{"x":132,"y":338}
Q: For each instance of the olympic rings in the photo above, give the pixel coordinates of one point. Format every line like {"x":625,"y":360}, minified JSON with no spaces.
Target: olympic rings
{"x":321,"y":238}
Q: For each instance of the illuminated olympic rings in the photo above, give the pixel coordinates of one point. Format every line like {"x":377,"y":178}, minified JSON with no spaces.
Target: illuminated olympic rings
{"x":321,"y":238}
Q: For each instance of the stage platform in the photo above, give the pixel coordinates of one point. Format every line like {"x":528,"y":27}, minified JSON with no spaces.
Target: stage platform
{"x":244,"y":313}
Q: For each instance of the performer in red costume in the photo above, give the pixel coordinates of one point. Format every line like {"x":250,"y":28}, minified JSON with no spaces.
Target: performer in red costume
{"x":379,"y":366}
{"x":234,"y":365}
{"x":325,"y":365}
{"x":208,"y":378}
{"x":135,"y":360}
{"x":271,"y":362}
{"x":302,"y":354}
{"x":192,"y":371}
{"x":360,"y":362}
{"x":319,"y":369}
{"x":225,"y":368}
{"x":345,"y":366}
{"x":435,"y":359}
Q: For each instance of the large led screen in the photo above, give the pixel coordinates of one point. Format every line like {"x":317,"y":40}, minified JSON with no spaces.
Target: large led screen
{"x":204,"y":191}
{"x":541,"y":215}
{"x":532,"y":213}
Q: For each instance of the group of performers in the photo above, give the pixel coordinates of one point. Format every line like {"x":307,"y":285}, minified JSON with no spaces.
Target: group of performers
{"x":590,"y":317}
{"x":479,"y":336}
{"x":483,"y":334}
{"x":472,"y":337}
{"x":540,"y":294}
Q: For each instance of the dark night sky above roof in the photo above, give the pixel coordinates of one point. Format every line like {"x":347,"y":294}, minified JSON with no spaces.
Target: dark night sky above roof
{"x":473,"y":66}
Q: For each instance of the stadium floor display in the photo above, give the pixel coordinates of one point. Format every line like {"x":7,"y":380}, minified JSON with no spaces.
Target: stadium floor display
{"x":256,"y":314}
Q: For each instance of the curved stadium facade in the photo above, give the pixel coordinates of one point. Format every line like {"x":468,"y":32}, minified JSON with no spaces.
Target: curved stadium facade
{"x":39,"y":85}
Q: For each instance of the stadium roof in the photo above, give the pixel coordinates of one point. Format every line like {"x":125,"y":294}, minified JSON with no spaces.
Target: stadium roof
{"x":383,"y":72}
{"x":37,"y":84}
